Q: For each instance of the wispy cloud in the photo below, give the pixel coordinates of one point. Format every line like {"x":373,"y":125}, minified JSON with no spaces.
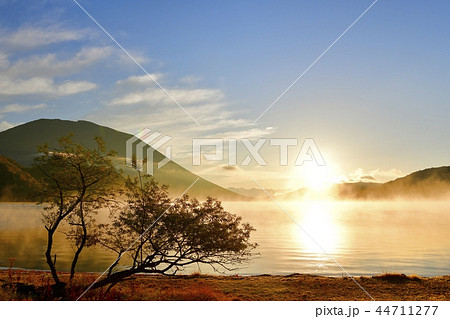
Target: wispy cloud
{"x":139,"y":103}
{"x":42,"y":86}
{"x":4,"y":62}
{"x":31,"y":37}
{"x":35,"y":75}
{"x":74,"y":87}
{"x":18,"y":108}
{"x":155,"y":97}
{"x":143,"y":104}
{"x":137,"y":80}
{"x":50,"y":65}
{"x":190,"y":79}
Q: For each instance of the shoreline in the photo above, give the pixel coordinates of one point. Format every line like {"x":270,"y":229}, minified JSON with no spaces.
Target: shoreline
{"x":398,"y":199}
{"x":35,"y":285}
{"x":196,"y":273}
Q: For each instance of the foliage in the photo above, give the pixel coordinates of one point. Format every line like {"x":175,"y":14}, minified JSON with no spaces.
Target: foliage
{"x":163,"y":237}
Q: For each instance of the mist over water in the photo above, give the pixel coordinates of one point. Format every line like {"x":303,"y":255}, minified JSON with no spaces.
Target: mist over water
{"x":366,"y":238}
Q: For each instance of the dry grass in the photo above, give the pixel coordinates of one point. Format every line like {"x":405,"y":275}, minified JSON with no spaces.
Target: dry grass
{"x":36,"y":285}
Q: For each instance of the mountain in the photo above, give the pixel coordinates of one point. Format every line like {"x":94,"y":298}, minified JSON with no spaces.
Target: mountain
{"x":15,"y":184}
{"x":427,"y":184}
{"x":20,"y":144}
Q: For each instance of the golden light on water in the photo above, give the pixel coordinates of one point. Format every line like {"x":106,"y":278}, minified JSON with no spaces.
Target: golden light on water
{"x":322,"y":226}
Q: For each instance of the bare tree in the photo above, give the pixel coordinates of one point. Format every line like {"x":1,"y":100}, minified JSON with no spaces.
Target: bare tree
{"x":164,"y":238}
{"x":76,"y":181}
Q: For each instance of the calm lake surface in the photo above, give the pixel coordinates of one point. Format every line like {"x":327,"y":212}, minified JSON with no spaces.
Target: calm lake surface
{"x":365,"y":238}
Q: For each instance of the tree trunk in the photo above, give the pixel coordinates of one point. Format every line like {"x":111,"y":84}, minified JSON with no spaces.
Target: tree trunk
{"x":83,"y":242}
{"x":48,"y":255}
{"x":116,"y":277}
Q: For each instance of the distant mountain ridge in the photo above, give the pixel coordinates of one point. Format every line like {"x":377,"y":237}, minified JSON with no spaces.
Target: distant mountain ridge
{"x":20,"y":144}
{"x":428,"y":183}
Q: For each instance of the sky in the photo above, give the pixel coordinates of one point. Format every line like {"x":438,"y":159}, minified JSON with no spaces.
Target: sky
{"x":376,"y":103}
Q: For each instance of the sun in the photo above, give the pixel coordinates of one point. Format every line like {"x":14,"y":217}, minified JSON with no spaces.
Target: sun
{"x":314,"y":177}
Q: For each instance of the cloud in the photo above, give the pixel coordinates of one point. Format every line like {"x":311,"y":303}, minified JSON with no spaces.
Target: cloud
{"x":377,"y":175}
{"x":155,"y":96}
{"x":18,"y":108}
{"x":4,"y":62}
{"x":229,"y":168}
{"x":42,"y":86}
{"x":49,"y":65}
{"x":137,"y":80}
{"x":32,"y":37}
{"x":137,"y":107}
{"x":190,"y":79}
{"x":74,"y":87}
{"x":140,"y":57}
{"x":35,"y":75}
{"x":140,"y":107}
{"x":214,"y":118}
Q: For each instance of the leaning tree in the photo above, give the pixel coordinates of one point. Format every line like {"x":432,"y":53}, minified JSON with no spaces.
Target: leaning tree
{"x":162,"y":237}
{"x":77,"y":181}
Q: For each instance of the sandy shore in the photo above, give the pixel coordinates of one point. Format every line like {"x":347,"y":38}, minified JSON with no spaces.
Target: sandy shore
{"x":35,"y":285}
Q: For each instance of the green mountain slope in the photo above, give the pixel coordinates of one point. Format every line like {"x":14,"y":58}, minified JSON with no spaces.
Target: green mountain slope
{"x":15,"y":183}
{"x":20,"y":143}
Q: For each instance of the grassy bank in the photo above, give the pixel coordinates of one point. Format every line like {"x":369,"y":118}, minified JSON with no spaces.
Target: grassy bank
{"x":36,"y":285}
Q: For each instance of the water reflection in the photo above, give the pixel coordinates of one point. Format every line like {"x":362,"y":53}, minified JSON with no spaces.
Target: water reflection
{"x":365,"y":238}
{"x":320,"y":229}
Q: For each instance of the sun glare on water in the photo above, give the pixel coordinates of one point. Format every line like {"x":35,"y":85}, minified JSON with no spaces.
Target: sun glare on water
{"x":321,"y":232}
{"x":316,"y":211}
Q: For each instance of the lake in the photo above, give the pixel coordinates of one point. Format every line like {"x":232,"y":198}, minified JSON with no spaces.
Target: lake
{"x":365,"y":238}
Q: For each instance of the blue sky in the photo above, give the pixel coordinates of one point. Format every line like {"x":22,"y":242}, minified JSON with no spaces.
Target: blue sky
{"x":377,"y":103}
